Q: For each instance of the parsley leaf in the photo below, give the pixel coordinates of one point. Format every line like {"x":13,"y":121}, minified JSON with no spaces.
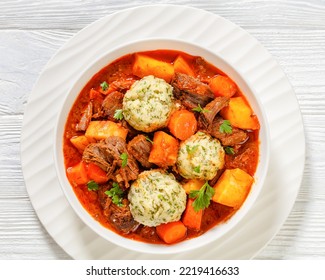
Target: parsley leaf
{"x":104,"y":86}
{"x":116,"y":194}
{"x":229,"y":150}
{"x":225,"y":127}
{"x":124,"y":158}
{"x":199,"y":109}
{"x":197,"y":169}
{"x":202,"y":197}
{"x":118,"y":115}
{"x":149,"y":140}
{"x":191,"y":150}
{"x":92,"y":186}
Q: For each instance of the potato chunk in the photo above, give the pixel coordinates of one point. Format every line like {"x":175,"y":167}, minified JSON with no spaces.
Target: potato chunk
{"x":232,"y":187}
{"x":100,"y":130}
{"x":80,"y":142}
{"x":145,"y":65}
{"x":240,"y":114}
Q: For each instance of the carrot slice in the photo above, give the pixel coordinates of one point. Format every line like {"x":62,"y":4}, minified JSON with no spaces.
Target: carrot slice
{"x":191,"y":218}
{"x":171,"y":232}
{"x":97,"y":174}
{"x":182,"y":124}
{"x":77,"y":174}
{"x":164,"y":149}
{"x":222,"y":86}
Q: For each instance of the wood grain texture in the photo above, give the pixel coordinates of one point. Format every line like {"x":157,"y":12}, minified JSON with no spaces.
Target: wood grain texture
{"x":32,"y":31}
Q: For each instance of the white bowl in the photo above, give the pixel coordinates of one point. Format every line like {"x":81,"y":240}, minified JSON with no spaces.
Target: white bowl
{"x":213,"y":58}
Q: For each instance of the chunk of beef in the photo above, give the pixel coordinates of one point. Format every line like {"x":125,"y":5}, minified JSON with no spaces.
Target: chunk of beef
{"x":190,"y":91}
{"x":122,"y":84}
{"x":111,"y":103}
{"x":99,"y":154}
{"x":211,"y":110}
{"x":244,"y":159}
{"x":119,"y":216}
{"x":107,"y":155}
{"x":117,"y":146}
{"x":85,"y":118}
{"x":237,"y":136}
{"x":122,"y":219}
{"x":140,"y":148}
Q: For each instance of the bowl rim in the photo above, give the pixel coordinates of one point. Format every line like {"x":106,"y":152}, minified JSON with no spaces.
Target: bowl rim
{"x":147,"y":44}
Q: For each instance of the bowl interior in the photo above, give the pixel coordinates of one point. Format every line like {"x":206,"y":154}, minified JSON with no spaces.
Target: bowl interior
{"x":146,"y":45}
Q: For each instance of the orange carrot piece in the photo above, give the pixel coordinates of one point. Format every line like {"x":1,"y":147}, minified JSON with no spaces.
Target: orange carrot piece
{"x":172,"y":232}
{"x":97,"y":174}
{"x":164,"y":149}
{"x":77,"y":174}
{"x":182,"y":124}
{"x":222,"y":86}
{"x":93,"y":94}
{"x":191,"y":218}
{"x":181,"y":66}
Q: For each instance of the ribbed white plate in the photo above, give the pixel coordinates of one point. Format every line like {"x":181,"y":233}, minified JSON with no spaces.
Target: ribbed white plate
{"x":226,"y":39}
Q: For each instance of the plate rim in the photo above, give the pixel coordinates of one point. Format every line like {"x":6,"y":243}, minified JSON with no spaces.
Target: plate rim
{"x":26,"y":145}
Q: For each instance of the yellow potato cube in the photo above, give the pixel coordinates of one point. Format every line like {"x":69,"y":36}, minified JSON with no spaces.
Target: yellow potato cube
{"x":145,"y":65}
{"x":80,"y":142}
{"x":181,"y":66}
{"x":240,"y":114}
{"x":100,"y":130}
{"x":192,"y":185}
{"x":232,"y":187}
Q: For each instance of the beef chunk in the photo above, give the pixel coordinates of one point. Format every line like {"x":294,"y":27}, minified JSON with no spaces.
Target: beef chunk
{"x":117,"y":147}
{"x":140,"y":148}
{"x":85,"y":118}
{"x":99,"y":154}
{"x":111,"y":103}
{"x":238,"y":136}
{"x":211,"y":110}
{"x":190,"y":91}
{"x":119,"y":216}
{"x":107,"y":155}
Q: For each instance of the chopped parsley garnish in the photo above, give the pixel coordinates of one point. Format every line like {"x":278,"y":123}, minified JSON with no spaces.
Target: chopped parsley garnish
{"x":118,"y":115}
{"x":202,"y":197}
{"x":149,"y":140}
{"x":191,"y":150}
{"x":116,"y":194}
{"x":197,"y":169}
{"x":92,"y":186}
{"x":104,"y":86}
{"x":199,"y":109}
{"x":225,"y":127}
{"x":124,"y":158}
{"x":229,"y":150}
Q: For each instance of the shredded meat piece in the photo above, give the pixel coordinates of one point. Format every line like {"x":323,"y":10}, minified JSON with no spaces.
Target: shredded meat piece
{"x":190,"y":91}
{"x":85,"y":118}
{"x":97,"y":153}
{"x":140,"y":148}
{"x":211,"y":110}
{"x":107,"y":155}
{"x":111,"y":103}
{"x":238,"y":136}
{"x":119,"y":216}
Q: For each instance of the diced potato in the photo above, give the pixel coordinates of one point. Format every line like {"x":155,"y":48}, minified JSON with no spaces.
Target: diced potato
{"x":181,"y":66}
{"x":164,"y":149}
{"x":192,"y":185}
{"x":222,"y":86}
{"x":240,"y":114}
{"x":232,"y":187}
{"x":80,"y":142}
{"x":145,"y":65}
{"x":100,"y":130}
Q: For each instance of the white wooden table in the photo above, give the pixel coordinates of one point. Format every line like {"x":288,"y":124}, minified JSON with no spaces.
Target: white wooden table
{"x":31,"y":31}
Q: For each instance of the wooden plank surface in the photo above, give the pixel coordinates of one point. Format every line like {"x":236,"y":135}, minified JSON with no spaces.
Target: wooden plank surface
{"x":32,"y":31}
